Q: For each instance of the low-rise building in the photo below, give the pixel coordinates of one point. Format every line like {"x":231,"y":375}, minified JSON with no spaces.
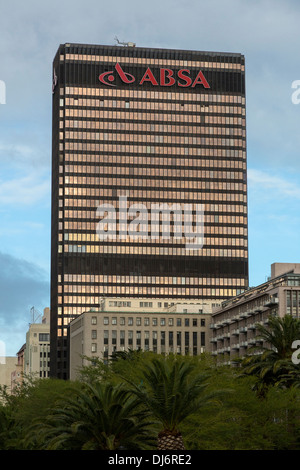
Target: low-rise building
{"x":7,"y":366}
{"x":234,"y":324}
{"x":18,"y":374}
{"x":151,"y":325}
{"x":37,"y":349}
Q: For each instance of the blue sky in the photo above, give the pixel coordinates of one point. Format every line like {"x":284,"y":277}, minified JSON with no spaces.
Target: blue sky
{"x":266,"y":32}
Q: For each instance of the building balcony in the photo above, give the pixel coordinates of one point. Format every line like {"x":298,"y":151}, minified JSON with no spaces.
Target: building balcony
{"x":252,"y":341}
{"x":235,"y":332}
{"x":271,"y":301}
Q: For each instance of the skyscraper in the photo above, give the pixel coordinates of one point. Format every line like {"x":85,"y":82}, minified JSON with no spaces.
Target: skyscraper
{"x":149,"y":184}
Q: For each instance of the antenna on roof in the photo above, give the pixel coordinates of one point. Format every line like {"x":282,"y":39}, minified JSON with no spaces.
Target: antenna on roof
{"x":125,"y":44}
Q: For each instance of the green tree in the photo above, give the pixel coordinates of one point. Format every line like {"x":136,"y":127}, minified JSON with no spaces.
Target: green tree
{"x":97,"y":417}
{"x":171,"y":389}
{"x":243,"y":421}
{"x":272,"y":364}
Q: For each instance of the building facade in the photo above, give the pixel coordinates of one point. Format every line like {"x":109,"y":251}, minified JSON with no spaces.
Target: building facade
{"x":147,"y":324}
{"x":37,"y":348}
{"x":233,"y":327}
{"x":17,"y":375}
{"x":149,"y":184}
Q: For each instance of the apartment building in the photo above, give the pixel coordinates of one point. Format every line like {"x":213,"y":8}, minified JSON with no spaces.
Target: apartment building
{"x":37,"y":348}
{"x":234,"y":324}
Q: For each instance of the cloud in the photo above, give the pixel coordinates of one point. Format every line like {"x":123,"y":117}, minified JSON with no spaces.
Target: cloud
{"x":271,"y":185}
{"x":22,"y":285}
{"x":26,"y":190}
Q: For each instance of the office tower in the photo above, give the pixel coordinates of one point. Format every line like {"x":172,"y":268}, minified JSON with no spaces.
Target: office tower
{"x":149,"y":189}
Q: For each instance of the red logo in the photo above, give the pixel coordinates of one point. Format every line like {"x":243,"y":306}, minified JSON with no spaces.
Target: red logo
{"x":125,"y":77}
{"x":167,"y":77}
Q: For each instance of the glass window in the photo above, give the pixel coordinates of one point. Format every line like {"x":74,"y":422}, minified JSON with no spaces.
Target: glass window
{"x":114,"y":337}
{"x":105,"y":336}
{"x":130,"y":338}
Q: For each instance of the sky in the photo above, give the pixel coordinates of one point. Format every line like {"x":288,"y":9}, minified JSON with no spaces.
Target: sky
{"x":265,"y":31}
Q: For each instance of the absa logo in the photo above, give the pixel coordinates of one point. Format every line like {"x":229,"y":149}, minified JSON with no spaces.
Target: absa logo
{"x":167,"y":77}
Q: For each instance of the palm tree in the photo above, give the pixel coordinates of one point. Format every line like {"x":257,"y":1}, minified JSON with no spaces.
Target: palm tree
{"x":274,"y":360}
{"x":172,"y":391}
{"x":97,"y":417}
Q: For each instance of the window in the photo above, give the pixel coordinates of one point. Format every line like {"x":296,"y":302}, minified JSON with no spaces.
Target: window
{"x":194,"y":343}
{"x":122,"y":338}
{"x":130,"y":321}
{"x":105,"y":336}
{"x":130,"y":338}
{"x":122,"y":320}
{"x":171,"y":322}
{"x":146,"y":304}
{"x":114,"y":337}
{"x":94,"y":347}
{"x":195,"y":322}
{"x":94,"y":320}
{"x":202,"y":322}
{"x":178,"y":322}
{"x":154,"y":338}
{"x":178,"y":338}
{"x":114,"y":320}
{"x":138,"y":321}
{"x":154,"y":321}
{"x":44,"y":337}
{"x":186,"y":341}
{"x":105,"y":321}
{"x":186,"y":322}
{"x":94,"y":334}
{"x":162,"y":322}
{"x":146,"y":321}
